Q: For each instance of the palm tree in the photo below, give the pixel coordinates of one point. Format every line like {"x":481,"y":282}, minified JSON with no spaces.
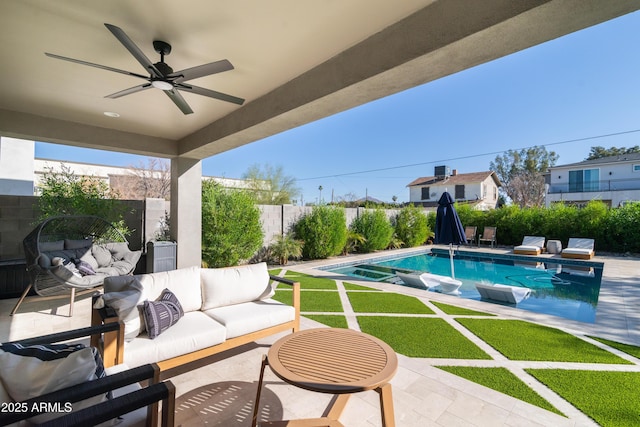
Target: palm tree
{"x":285,"y":247}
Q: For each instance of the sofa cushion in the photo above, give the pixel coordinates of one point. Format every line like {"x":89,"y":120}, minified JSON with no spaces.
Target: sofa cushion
{"x":234,"y":285}
{"x":102,"y":255}
{"x":58,"y":245}
{"x":161,"y":315}
{"x":194,"y":331}
{"x":241,"y":319}
{"x":184,"y":283}
{"x":77,"y":244}
{"x":124,"y":294}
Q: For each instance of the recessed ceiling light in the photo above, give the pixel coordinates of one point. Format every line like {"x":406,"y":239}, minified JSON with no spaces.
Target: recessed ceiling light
{"x":111,"y":114}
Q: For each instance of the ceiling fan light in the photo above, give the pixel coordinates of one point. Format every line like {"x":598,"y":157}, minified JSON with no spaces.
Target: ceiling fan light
{"x":162,"y":85}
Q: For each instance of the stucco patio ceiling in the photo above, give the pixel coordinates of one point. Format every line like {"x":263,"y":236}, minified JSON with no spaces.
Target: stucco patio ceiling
{"x":295,"y":61}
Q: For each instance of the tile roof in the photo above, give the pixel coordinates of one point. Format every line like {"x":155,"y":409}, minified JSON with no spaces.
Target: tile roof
{"x":461,"y":178}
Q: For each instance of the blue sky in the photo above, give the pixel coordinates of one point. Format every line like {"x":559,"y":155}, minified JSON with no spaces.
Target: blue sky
{"x":583,"y":85}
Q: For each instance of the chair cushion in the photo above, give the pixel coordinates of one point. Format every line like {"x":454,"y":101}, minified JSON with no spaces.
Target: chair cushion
{"x":101,"y":255}
{"x":234,"y":285}
{"x":161,"y":315}
{"x":194,"y":331}
{"x":31,"y":371}
{"x":77,"y":244}
{"x":241,"y":319}
{"x":184,"y":283}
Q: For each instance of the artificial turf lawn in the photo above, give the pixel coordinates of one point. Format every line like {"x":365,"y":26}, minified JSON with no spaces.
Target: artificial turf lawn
{"x":520,"y":340}
{"x":453,"y":310}
{"x":421,"y":337}
{"x":500,"y":379}
{"x":333,"y":321}
{"x":311,"y":282}
{"x":610,"y":398}
{"x":312,"y":301}
{"x":386,"y":302}
{"x":626,"y":348}
{"x":353,"y":287}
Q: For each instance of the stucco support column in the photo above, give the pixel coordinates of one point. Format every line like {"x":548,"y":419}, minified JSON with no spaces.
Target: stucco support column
{"x":186,"y":210}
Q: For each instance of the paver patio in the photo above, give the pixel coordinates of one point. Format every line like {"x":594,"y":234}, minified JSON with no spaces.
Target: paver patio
{"x":220,"y":391}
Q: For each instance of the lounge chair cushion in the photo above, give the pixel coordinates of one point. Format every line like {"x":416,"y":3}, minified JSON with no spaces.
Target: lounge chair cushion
{"x":241,"y":319}
{"x":235,"y":285}
{"x":31,"y":371}
{"x":193,"y":332}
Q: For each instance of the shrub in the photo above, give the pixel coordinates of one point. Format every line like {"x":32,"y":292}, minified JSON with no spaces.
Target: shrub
{"x":376,"y":229}
{"x":285,"y":247}
{"x":231,"y":228}
{"x":411,"y":226}
{"x":64,"y":193}
{"x":323,"y":231}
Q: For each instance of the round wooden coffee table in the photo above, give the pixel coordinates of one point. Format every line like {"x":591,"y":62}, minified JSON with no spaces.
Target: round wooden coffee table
{"x":335,"y":361}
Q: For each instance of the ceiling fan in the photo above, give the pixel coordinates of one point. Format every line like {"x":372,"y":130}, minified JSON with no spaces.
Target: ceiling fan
{"x":161,"y":75}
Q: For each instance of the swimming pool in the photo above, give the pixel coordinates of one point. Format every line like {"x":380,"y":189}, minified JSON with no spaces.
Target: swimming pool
{"x":563,"y":288}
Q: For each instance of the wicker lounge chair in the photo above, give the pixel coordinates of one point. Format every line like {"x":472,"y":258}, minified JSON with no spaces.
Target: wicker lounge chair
{"x":531,"y":245}
{"x":70,"y":253}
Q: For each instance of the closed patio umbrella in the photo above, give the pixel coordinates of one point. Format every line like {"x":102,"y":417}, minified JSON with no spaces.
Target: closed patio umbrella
{"x":449,"y":229}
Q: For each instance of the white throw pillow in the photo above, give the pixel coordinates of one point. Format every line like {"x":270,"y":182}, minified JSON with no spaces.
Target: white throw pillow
{"x":234,"y":285}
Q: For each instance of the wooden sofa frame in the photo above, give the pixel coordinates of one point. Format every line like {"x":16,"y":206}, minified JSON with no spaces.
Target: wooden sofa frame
{"x":112,"y":347}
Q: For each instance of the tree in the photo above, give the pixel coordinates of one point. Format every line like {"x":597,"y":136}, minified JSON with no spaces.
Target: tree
{"x":152,"y":179}
{"x":64,"y":193}
{"x":270,"y":185}
{"x":516,"y":168}
{"x":599,"y":152}
{"x":231,"y":228}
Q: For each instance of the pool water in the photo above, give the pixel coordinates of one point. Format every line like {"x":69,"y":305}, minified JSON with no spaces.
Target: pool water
{"x":567,"y":289}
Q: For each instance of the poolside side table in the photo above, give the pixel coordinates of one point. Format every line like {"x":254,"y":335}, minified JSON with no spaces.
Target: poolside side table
{"x":554,"y":246}
{"x":335,"y":361}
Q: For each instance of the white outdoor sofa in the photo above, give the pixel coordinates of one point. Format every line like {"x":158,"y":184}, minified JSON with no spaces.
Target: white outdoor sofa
{"x":223,"y":309}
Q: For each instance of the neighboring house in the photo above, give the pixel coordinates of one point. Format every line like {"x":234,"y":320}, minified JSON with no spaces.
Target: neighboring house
{"x":21,"y":174}
{"x":615,"y":180}
{"x":477,"y":188}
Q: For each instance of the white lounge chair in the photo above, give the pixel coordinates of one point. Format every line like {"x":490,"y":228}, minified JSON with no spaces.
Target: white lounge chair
{"x":503,"y":293}
{"x":531,"y":245}
{"x":449,"y":285}
{"x":445,"y":284}
{"x":579,"y":248}
{"x":413,"y":279}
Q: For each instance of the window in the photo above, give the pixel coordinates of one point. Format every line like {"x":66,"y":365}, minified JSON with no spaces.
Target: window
{"x":459,"y":192}
{"x":584,"y":180}
{"x":636,"y":168}
{"x":495,"y":193}
{"x":425,"y":193}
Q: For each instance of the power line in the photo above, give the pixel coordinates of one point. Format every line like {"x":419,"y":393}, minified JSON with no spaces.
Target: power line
{"x":469,"y":157}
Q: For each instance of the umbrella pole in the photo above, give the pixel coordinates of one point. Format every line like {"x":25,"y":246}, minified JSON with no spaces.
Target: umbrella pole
{"x":453,"y":273}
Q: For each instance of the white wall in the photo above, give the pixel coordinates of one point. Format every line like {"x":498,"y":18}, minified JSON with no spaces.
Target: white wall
{"x":16,"y":166}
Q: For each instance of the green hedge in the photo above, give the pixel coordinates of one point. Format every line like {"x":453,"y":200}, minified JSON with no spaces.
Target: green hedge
{"x":376,"y":229}
{"x":614,"y":229}
{"x":323,"y":231}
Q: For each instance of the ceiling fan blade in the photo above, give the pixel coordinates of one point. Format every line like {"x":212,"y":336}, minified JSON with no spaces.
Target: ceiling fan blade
{"x":211,"y":93}
{"x":179,"y":101}
{"x":129,"y":91}
{"x":133,"y":49}
{"x":202,"y":70}
{"x":91,"y":64}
